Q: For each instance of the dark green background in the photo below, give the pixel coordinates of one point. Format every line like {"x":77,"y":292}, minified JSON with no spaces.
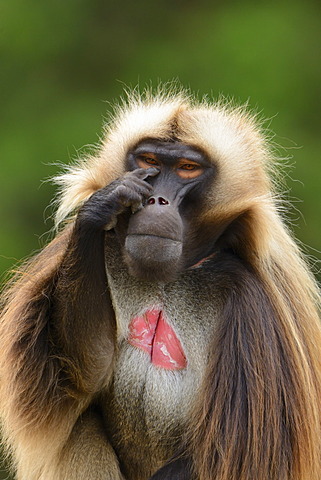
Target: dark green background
{"x":62,"y":61}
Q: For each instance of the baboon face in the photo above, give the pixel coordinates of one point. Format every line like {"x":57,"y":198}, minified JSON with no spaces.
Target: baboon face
{"x":161,"y":236}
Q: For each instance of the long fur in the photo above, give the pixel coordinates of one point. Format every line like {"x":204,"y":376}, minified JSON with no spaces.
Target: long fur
{"x":259,"y":413}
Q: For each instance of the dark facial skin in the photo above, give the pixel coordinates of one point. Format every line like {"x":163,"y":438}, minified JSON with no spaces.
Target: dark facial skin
{"x":182,"y":168}
{"x":160,"y":238}
{"x":154,"y":209}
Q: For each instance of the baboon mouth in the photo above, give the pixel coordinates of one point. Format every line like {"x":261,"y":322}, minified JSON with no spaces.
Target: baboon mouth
{"x":153,"y":258}
{"x":155,"y":237}
{"x":153,"y":247}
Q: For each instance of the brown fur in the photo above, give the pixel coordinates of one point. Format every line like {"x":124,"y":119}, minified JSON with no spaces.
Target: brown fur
{"x":257,"y":414}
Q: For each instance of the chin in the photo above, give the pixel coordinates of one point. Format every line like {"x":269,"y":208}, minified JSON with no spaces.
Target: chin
{"x":152,"y":258}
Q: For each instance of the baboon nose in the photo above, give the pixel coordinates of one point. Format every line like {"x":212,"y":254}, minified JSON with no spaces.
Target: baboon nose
{"x":158,"y":201}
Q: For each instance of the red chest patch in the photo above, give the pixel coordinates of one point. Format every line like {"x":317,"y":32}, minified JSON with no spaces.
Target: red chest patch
{"x":150,"y":332}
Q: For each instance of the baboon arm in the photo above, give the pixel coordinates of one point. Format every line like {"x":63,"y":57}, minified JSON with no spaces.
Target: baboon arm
{"x":86,"y":455}
{"x":56,"y":334}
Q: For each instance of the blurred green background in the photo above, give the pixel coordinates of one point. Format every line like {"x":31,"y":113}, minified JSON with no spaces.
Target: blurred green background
{"x":62,"y":61}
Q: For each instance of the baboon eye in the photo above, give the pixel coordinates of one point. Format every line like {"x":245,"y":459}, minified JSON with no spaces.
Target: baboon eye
{"x":189,"y":166}
{"x":147,"y":160}
{"x":187,"y":169}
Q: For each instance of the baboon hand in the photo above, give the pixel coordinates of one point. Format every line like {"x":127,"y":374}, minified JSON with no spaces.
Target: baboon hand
{"x":129,"y":191}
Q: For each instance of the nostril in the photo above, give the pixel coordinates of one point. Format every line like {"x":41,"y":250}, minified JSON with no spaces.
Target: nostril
{"x":163,"y":201}
{"x":160,"y":201}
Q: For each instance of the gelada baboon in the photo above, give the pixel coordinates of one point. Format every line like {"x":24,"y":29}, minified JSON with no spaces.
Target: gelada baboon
{"x":170,"y":330}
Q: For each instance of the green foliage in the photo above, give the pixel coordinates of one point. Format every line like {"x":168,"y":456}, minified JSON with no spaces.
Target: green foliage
{"x":61,"y":62}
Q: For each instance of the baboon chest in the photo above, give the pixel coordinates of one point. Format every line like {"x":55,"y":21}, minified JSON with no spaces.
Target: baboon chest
{"x":163,"y":334}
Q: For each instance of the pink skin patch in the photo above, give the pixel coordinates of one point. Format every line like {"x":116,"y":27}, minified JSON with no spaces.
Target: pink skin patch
{"x":151,"y":333}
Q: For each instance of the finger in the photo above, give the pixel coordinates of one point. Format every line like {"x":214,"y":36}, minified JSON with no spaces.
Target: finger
{"x":152,"y":172}
{"x":144,"y":173}
{"x":135,"y":207}
{"x":111,"y":224}
{"x":138,"y":186}
{"x":127,"y":197}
